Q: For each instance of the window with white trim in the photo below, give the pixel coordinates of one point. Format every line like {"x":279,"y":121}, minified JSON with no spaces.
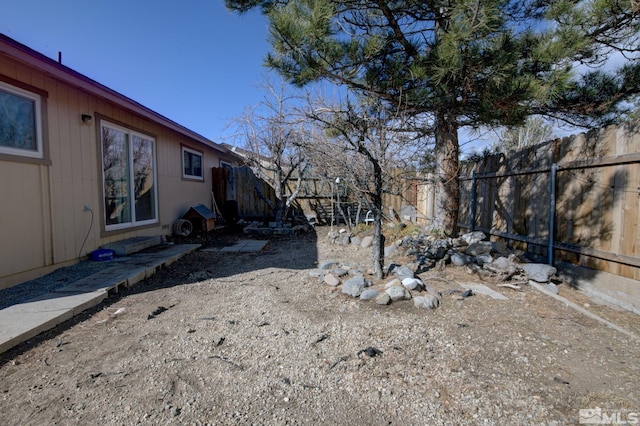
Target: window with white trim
{"x":191,"y":164}
{"x":128,"y":177}
{"x":20,"y":122}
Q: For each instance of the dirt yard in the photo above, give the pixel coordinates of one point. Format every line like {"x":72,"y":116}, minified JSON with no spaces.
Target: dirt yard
{"x":243,"y":339}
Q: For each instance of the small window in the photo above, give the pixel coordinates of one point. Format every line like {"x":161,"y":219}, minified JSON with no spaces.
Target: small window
{"x":191,"y":164}
{"x":20,"y":122}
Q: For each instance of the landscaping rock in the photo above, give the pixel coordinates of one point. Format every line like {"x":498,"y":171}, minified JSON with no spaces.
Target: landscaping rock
{"x":461,"y":259}
{"x":398,"y":293}
{"x":367,"y":241}
{"x":393,"y":282}
{"x":356,"y":270}
{"x":481,"y":259}
{"x":428,"y":301}
{"x":331,"y":279}
{"x":340,"y":272}
{"x":483,"y":247}
{"x":474,"y":237}
{"x":390,"y":250}
{"x":503,"y":264}
{"x":539,"y":272}
{"x":368,"y":294}
{"x":329,"y":264}
{"x":354,"y":286}
{"x":402,"y":272}
{"x":412,"y":284}
{"x":383,"y":299}
{"x":499,"y":248}
{"x":459,"y":242}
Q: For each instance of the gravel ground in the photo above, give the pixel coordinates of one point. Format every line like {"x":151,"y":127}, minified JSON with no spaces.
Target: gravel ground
{"x":254,"y":339}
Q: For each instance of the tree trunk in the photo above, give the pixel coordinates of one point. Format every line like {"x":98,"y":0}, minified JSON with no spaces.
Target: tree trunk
{"x":279,"y":209}
{"x":447,"y":158}
{"x":292,"y":197}
{"x":279,"y":214}
{"x":377,"y":253}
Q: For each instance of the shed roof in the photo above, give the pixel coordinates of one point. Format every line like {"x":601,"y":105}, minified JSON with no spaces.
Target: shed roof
{"x":202,"y":210}
{"x":34,"y":59}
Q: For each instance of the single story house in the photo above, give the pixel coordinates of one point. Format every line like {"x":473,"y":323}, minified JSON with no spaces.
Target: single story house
{"x":81,"y":166}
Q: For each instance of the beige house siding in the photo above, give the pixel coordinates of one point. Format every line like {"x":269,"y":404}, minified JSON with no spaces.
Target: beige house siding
{"x":23,"y":242}
{"x":43,"y":221}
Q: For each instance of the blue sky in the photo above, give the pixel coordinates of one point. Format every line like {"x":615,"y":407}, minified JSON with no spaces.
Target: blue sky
{"x":193,"y":61}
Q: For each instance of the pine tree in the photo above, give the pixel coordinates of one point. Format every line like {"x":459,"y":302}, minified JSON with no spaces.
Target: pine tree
{"x":460,"y":62}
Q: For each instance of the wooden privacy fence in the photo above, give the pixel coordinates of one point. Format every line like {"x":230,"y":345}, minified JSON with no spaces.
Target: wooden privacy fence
{"x":575,"y":199}
{"x":235,"y":190}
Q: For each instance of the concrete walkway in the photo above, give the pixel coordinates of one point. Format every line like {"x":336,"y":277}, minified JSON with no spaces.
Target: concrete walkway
{"x":242,"y":246}
{"x":23,"y":321}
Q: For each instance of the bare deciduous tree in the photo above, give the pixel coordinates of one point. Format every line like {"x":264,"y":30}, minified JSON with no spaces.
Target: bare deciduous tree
{"x":272,"y":139}
{"x":362,"y":146}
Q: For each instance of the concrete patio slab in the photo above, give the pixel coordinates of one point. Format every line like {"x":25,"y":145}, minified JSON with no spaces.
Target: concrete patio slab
{"x":19,"y":323}
{"x":23,"y":321}
{"x":133,"y":245}
{"x":105,"y":280}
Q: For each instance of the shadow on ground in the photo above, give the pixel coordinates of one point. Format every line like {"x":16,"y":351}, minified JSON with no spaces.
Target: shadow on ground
{"x":294,"y":252}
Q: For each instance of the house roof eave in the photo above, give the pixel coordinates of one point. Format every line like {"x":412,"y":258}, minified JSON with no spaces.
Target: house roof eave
{"x":69,"y":76}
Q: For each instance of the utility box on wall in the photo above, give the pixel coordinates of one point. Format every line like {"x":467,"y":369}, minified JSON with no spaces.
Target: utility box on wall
{"x":201,"y":217}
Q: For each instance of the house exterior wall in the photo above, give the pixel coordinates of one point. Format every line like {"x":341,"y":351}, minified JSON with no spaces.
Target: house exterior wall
{"x":43,"y":221}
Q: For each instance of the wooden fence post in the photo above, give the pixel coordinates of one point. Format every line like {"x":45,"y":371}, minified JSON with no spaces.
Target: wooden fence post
{"x":552,"y":210}
{"x":473,"y":201}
